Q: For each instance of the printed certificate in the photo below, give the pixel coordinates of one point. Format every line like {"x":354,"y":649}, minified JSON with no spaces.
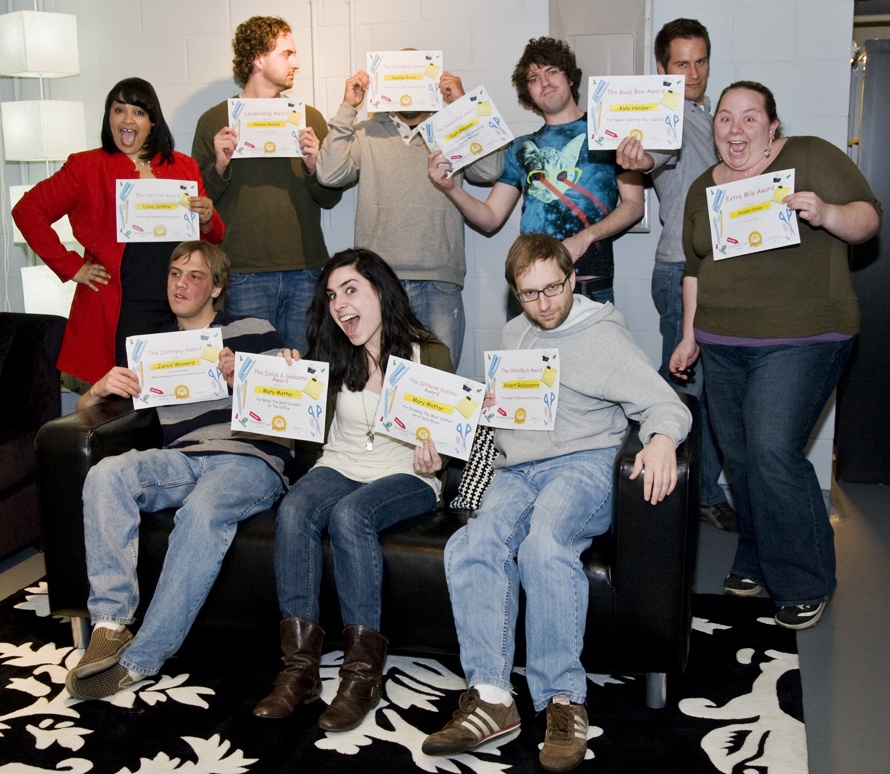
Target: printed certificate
{"x":648,"y":107}
{"x":404,"y":81}
{"x":156,"y":211}
{"x":748,"y":216}
{"x":178,"y":367}
{"x":525,"y":383}
{"x":267,"y":128}
{"x":271,"y":397}
{"x":468,"y":129}
{"x":419,"y":403}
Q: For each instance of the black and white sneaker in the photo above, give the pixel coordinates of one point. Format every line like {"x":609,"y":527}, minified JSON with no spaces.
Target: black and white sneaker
{"x":800,"y":616}
{"x":740,"y":586}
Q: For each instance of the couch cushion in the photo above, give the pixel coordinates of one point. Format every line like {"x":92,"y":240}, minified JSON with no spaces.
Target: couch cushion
{"x":7,"y":333}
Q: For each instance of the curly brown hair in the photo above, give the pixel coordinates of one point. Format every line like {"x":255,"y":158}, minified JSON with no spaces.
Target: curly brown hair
{"x":253,"y":37}
{"x":545,"y":52}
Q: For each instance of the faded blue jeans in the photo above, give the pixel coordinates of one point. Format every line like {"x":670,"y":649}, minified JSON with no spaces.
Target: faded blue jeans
{"x":667,"y":293}
{"x":534,"y":522}
{"x":765,"y":402}
{"x":352,"y":513}
{"x":212,"y":492}
{"x":440,"y":307}
{"x":281,"y":297}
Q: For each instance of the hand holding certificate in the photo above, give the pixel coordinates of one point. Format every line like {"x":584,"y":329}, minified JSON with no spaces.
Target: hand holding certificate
{"x":747,"y":216}
{"x":648,"y":107}
{"x":525,"y":383}
{"x":404,"y":81}
{"x":151,"y":210}
{"x":273,"y":398}
{"x":268,"y":127}
{"x":468,"y":129}
{"x":179,"y":367}
{"x":420,"y":403}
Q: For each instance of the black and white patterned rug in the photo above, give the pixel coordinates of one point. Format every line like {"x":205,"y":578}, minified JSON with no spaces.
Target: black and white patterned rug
{"x":737,"y":709}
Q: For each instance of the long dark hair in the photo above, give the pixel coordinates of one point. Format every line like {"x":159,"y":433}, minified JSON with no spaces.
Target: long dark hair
{"x":400,"y":330}
{"x":135,"y":91}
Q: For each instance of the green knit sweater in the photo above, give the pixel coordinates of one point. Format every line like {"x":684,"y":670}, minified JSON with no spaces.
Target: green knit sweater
{"x":271,"y":207}
{"x":793,"y":292}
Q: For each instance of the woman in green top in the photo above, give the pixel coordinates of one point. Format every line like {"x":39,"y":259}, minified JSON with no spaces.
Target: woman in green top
{"x":775,"y":329}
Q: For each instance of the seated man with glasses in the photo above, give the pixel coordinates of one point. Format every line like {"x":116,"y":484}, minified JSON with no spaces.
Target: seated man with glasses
{"x":550,"y":496}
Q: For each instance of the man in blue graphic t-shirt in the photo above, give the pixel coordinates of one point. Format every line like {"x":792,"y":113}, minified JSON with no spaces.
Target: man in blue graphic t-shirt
{"x":579,"y":196}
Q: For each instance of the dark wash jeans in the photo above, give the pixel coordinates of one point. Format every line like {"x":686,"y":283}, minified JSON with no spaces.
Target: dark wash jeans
{"x":764,"y":403}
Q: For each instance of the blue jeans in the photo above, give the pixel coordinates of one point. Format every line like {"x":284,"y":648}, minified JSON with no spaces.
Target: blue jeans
{"x":440,"y":307}
{"x":765,"y":402}
{"x":212,"y":493}
{"x":353,"y":513}
{"x":667,"y":293}
{"x":534,"y":522}
{"x":281,"y":297}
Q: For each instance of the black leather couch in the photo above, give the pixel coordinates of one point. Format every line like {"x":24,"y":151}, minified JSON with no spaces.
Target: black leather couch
{"x":31,"y":394}
{"x":641,"y":572}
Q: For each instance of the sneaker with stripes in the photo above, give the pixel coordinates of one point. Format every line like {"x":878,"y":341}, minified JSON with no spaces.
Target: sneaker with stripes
{"x":474,"y":723}
{"x":565,"y":743}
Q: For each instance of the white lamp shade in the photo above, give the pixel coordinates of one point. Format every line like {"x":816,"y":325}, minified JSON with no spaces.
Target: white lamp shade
{"x":62,"y":226}
{"x":42,"y":130}
{"x":34,"y":44}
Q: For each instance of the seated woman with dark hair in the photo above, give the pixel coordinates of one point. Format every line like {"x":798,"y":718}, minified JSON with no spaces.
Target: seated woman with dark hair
{"x":361,"y":484}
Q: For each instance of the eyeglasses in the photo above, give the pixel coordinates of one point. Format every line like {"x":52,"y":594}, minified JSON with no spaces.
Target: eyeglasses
{"x":527,"y":296}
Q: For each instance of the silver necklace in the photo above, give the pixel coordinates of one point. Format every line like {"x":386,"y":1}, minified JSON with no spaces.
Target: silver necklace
{"x":369,"y":444}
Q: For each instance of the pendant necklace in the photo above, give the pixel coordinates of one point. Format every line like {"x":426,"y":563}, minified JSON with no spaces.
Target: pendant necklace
{"x":369,"y":444}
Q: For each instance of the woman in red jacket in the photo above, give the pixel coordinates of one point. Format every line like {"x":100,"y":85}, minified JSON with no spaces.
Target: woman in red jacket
{"x":122,"y":287}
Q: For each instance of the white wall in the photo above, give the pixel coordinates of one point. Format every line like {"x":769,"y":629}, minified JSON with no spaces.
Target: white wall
{"x":800,"y":48}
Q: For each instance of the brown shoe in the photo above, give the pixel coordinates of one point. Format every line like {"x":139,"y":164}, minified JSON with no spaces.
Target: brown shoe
{"x":299,"y":682}
{"x":360,"y":679}
{"x":565,"y":743}
{"x":104,"y":651}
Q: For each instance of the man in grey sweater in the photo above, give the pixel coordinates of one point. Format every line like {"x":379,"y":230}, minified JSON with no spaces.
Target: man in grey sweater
{"x":551,"y":494}
{"x":400,"y":214}
{"x":682,"y":47}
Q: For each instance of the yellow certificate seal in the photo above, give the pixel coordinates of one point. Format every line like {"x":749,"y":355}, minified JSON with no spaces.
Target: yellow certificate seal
{"x":519,"y":416}
{"x":475,"y":148}
{"x":180,"y":392}
{"x":422,"y":434}
{"x":755,"y":239}
{"x":638,"y":133}
{"x":405,"y":100}
{"x":279,"y":423}
{"x":159,"y":231}
{"x":269,"y":147}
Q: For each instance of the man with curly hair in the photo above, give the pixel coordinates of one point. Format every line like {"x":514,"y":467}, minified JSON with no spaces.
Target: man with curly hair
{"x":271,"y":207}
{"x":579,"y":196}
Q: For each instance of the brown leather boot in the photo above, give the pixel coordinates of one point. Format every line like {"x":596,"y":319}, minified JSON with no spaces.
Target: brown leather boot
{"x":360,"y":679}
{"x":299,"y":681}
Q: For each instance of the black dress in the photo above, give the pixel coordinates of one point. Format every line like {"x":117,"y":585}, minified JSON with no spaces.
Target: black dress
{"x":144,"y":306}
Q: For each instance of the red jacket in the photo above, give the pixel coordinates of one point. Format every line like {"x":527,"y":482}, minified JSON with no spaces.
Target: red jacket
{"x":84,"y":190}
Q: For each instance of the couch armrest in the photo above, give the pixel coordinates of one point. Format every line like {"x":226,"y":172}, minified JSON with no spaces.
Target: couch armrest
{"x":67,"y":448}
{"x":655,"y":551}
